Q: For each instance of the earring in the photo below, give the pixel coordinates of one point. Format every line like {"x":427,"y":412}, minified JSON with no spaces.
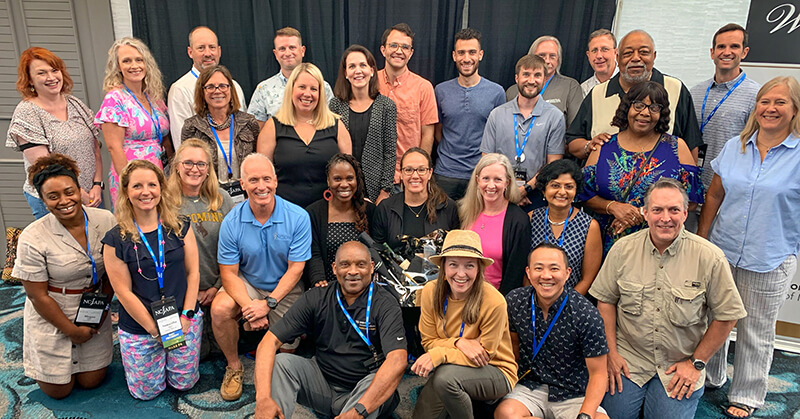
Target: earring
{"x":33,"y":89}
{"x":328,"y":195}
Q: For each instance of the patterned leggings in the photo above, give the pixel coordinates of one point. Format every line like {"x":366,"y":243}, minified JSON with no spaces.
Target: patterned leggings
{"x":148,"y":367}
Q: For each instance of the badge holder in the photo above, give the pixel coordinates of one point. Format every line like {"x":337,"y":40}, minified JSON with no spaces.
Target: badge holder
{"x":521,"y":175}
{"x":93,"y":304}
{"x":234,"y":189}
{"x":371,"y":364}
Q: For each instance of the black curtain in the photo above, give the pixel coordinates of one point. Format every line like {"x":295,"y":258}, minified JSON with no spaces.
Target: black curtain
{"x":509,"y":27}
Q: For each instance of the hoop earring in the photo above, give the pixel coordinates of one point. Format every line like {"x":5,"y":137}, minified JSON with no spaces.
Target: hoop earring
{"x":327,"y":195}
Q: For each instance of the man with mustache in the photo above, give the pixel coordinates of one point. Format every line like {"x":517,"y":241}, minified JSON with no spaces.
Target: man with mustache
{"x":464,"y":104}
{"x":635,"y":55}
{"x":527,"y":130}
{"x":668,"y":303}
{"x":602,"y":55}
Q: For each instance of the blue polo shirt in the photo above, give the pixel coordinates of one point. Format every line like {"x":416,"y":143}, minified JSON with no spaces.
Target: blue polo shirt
{"x":263,"y":252}
{"x":577,"y":334}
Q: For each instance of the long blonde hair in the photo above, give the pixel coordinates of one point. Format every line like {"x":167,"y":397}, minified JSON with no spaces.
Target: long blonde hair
{"x":323,"y":117}
{"x":794,"y":94}
{"x":471,"y":205}
{"x":167,"y":207}
{"x":472,"y":307}
{"x":153,"y":83}
{"x":209,"y":190}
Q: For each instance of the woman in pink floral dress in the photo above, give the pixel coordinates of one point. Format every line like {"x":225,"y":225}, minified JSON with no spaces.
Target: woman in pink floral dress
{"x":133,"y":115}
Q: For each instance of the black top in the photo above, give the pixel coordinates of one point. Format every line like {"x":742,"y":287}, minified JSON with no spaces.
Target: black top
{"x":414,"y":220}
{"x":146,"y":289}
{"x":340,"y":352}
{"x":577,"y":334}
{"x":516,"y":246}
{"x":389,"y":223}
{"x":359,"y":126}
{"x":338,"y":234}
{"x":301,"y":168}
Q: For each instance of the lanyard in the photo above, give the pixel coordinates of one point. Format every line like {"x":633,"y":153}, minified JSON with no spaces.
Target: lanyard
{"x":193,"y":73}
{"x":364,"y":337}
{"x":713,"y":111}
{"x":541,"y":92}
{"x":563,"y":232}
{"x":444,"y":314}
{"x":89,"y":248}
{"x":160,"y":264}
{"x":229,"y":156}
{"x":153,"y":117}
{"x":536,"y":347}
{"x":519,"y":149}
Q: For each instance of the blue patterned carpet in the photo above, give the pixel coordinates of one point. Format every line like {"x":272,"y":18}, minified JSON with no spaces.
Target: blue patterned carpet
{"x":21,"y":398}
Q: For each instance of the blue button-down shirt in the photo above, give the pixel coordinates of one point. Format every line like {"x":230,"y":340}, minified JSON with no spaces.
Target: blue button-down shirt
{"x":757,"y":224}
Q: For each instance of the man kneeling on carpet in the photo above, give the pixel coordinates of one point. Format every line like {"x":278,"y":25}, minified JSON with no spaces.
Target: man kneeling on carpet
{"x":559,"y":342}
{"x":361,"y":355}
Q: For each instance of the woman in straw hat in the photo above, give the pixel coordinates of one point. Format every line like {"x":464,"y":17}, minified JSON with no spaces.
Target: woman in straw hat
{"x":464,"y":328}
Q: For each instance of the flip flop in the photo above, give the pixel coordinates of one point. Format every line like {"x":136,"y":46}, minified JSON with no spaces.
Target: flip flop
{"x":750,"y":410}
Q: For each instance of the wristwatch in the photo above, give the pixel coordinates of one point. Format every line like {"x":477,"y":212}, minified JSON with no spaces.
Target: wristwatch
{"x":698,"y":364}
{"x":188,"y":313}
{"x":100,"y":184}
{"x":272,"y":303}
{"x":584,"y":416}
{"x":361,"y":410}
{"x":528,"y":188}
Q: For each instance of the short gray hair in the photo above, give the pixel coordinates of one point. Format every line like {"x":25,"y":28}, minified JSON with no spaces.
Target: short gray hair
{"x":601,"y":32}
{"x":667,"y":183}
{"x":544,"y":38}
{"x":253,"y":156}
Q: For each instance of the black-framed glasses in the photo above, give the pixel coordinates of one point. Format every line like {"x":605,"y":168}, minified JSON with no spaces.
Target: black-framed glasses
{"x":408,"y":171}
{"x":639,"y":106}
{"x":223,"y":87}
{"x":188,"y":164}
{"x":395,"y":45}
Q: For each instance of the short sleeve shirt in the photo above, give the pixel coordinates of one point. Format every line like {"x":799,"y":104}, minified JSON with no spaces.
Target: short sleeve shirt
{"x":340,"y":352}
{"x":263,"y":252}
{"x":268,"y":97}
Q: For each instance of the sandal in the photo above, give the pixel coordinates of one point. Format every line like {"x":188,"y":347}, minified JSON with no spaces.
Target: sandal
{"x":741,"y":406}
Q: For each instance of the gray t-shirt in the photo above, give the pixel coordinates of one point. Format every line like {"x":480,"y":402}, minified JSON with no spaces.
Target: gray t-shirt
{"x":205,"y":224}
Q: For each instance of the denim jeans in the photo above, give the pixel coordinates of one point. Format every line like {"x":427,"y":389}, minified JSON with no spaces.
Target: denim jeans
{"x":628,"y":403}
{"x":37,"y":206}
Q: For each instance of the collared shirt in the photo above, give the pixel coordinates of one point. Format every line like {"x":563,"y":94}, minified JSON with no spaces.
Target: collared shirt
{"x":546,"y":137}
{"x":268,"y":97}
{"x":180,"y":102}
{"x":562,"y":92}
{"x":576,"y":335}
{"x":664,"y":301}
{"x":340,"y":352}
{"x":729,"y":119}
{"x":757,"y":224}
{"x":416,"y":107}
{"x":463,"y":112}
{"x":587,"y":85}
{"x":263,"y":252}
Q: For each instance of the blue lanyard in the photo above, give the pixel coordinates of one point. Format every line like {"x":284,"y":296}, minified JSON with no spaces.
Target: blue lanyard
{"x":541,"y":92}
{"x":364,"y":337}
{"x":230,"y":145}
{"x":713,"y":111}
{"x":89,"y":248}
{"x":519,"y":149}
{"x":193,"y":73}
{"x":563,"y":232}
{"x":160,"y":265}
{"x":444,"y":314}
{"x":153,"y":117}
{"x":536,"y":347}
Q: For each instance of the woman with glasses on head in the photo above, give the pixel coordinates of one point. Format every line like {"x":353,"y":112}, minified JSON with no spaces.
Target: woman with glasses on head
{"x":421,"y":208}
{"x":133,"y":115}
{"x":618,"y":174}
{"x":194,"y":181}
{"x":489,"y":208}
{"x":230,"y":133}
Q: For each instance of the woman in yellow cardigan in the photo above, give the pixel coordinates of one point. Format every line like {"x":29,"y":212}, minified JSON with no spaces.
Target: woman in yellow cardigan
{"x":464,"y":328}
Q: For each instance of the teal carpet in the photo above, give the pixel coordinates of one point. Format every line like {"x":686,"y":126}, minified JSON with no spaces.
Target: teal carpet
{"x":21,"y":398}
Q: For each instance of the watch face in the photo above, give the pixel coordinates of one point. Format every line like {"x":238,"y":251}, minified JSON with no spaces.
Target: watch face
{"x":699,"y":365}
{"x":271,"y":302}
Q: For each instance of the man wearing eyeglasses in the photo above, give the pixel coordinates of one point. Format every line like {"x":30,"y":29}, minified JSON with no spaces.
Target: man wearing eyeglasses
{"x":602,"y":55}
{"x":636,"y":54}
{"x":268,"y":96}
{"x":204,"y":51}
{"x":413,"y":95}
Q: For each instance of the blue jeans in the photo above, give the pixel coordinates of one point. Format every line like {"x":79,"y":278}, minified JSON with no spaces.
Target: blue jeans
{"x":652,"y":396}
{"x":37,"y":206}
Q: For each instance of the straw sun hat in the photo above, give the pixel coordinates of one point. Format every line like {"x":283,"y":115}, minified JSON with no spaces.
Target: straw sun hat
{"x":463,"y":243}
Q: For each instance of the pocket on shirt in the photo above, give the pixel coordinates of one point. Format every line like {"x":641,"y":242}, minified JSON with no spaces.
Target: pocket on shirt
{"x":631,"y":295}
{"x":687,"y":307}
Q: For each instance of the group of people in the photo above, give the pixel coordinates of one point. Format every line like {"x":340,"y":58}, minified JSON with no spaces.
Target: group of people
{"x":609,"y":289}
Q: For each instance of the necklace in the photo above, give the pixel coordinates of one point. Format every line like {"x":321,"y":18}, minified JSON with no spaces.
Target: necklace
{"x":136,"y":249}
{"x":417,"y":213}
{"x":221,"y":126}
{"x":555,"y":223}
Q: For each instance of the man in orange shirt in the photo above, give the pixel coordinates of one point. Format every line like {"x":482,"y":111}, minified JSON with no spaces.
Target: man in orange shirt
{"x":416,"y":104}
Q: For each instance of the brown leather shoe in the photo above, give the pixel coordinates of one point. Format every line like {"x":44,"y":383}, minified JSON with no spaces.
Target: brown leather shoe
{"x":231,"y":388}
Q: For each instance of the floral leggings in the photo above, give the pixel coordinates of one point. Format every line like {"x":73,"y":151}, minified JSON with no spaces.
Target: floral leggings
{"x":149,"y":367}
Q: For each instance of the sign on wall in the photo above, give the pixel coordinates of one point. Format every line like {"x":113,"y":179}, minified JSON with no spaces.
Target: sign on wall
{"x":774,"y":28}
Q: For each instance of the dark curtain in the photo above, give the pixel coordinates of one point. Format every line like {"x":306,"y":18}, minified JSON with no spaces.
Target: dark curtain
{"x":509,"y":27}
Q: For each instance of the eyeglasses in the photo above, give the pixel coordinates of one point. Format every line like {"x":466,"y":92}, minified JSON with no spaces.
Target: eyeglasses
{"x":223,"y":87}
{"x":639,"y":106}
{"x":395,"y":45}
{"x":408,"y":171}
{"x":188,"y":164}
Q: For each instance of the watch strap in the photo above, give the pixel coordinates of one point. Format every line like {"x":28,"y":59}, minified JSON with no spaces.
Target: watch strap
{"x":361,"y":410}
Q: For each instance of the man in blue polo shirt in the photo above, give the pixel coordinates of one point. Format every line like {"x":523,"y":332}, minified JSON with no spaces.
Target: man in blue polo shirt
{"x":560,"y":344}
{"x":464,"y":104}
{"x":263,"y":245}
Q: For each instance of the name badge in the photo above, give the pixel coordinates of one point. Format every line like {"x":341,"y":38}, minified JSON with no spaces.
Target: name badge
{"x":167,"y":317}
{"x":375,"y":362}
{"x":91,"y":309}
{"x":521,"y":175}
{"x":234,"y":189}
